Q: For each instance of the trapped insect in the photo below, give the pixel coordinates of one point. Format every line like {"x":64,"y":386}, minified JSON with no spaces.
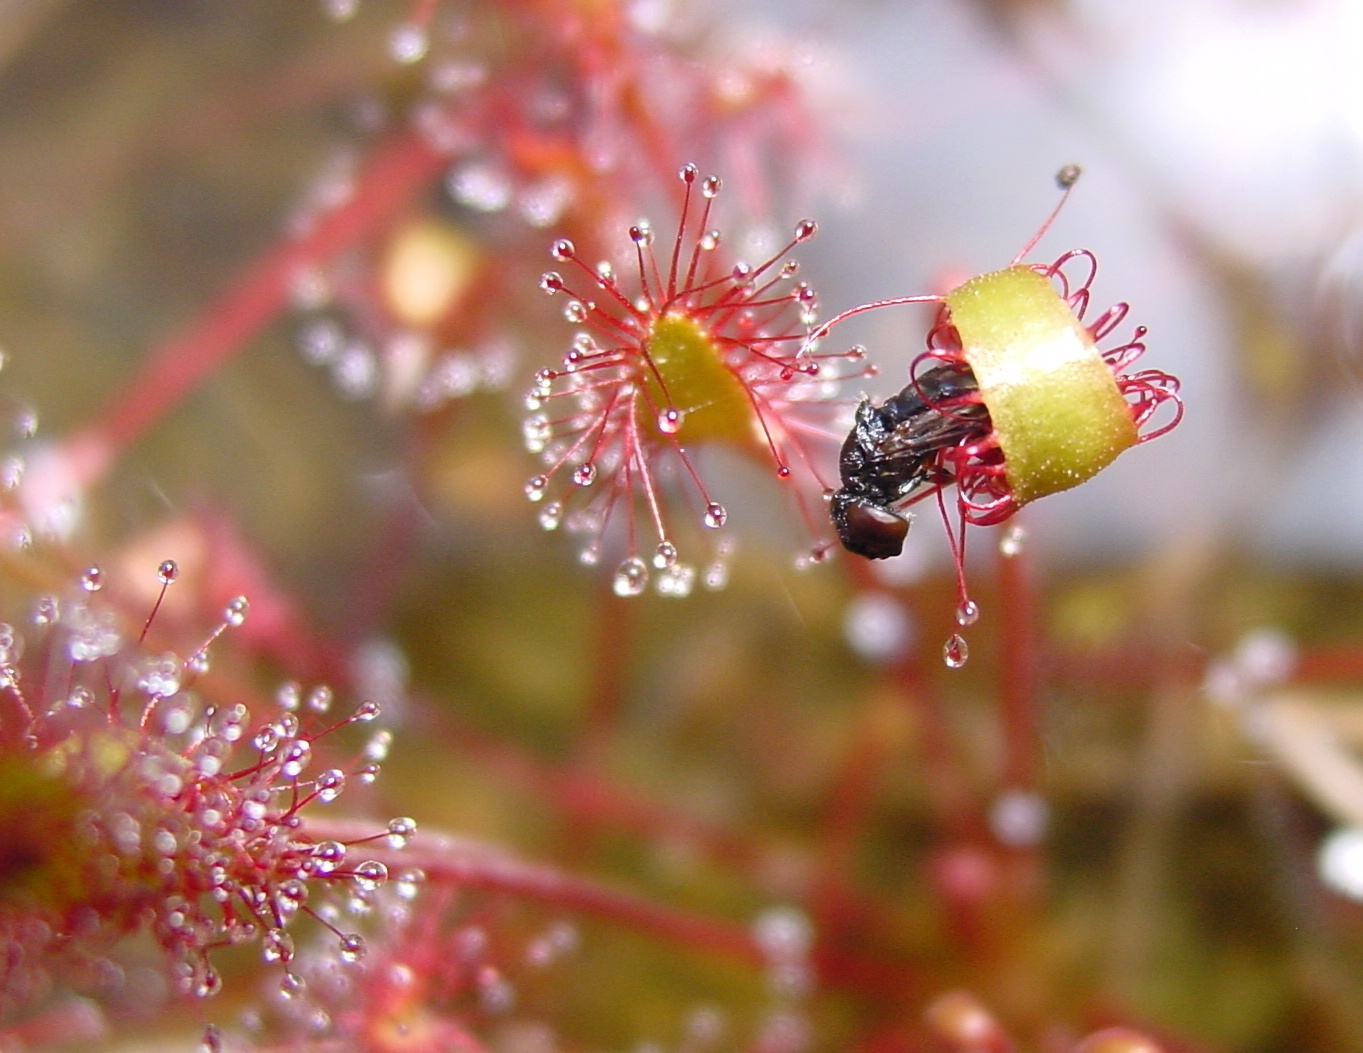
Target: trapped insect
{"x":891,"y":453}
{"x":1013,"y":399}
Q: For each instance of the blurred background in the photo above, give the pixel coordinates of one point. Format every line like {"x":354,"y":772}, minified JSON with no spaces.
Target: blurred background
{"x":1137,"y":804}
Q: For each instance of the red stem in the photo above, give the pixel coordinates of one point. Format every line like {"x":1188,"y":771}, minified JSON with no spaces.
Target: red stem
{"x":465,"y":863}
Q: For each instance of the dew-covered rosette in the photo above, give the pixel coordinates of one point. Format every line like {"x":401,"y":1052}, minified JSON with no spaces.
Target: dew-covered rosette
{"x":130,"y":803}
{"x":697,"y":350}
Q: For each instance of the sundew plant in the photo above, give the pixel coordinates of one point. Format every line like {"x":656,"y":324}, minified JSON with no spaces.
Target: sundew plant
{"x":472,"y":566}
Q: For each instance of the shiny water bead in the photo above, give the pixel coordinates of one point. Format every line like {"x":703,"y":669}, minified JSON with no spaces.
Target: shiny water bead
{"x":46,"y":610}
{"x":551,"y":515}
{"x":320,"y":698}
{"x":955,"y":652}
{"x":168,"y":572}
{"x":277,"y":946}
{"x":329,"y":784}
{"x":291,"y":985}
{"x":408,"y":43}
{"x":715,"y":516}
{"x":296,"y":758}
{"x":11,"y":472}
{"x":353,"y":947}
{"x":631,"y":577}
{"x":676,"y":580}
{"x":212,"y":1037}
{"x":379,"y":745}
{"x":536,"y":487}
{"x":367,"y":711}
{"x":1012,"y":542}
{"x":400,"y":831}
{"x":366,"y":774}
{"x":237,"y":610}
{"x":327,"y":856}
{"x":370,"y":874}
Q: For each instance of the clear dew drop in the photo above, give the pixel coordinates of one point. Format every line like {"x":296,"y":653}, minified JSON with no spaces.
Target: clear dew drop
{"x":400,"y":831}
{"x":92,"y":580}
{"x":289,"y":696}
{"x":11,"y":473}
{"x":320,"y":698}
{"x":536,"y":487}
{"x":207,"y":984}
{"x":670,"y":421}
{"x":711,"y":186}
{"x":366,"y":711}
{"x":631,"y":577}
{"x":167,"y":572}
{"x":677,"y":581}
{"x":805,"y":229}
{"x":562,"y":250}
{"x":330,"y":784}
{"x":967,"y":612}
{"x":278,"y":946}
{"x":1068,"y":176}
{"x":688,"y":173}
{"x":291,"y":985}
{"x":709,"y":241}
{"x":955,"y":651}
{"x":551,"y":282}
{"x":353,"y":947}
{"x":715,"y":516}
{"x":236,"y":611}
{"x":407,"y":43}
{"x":584,"y":474}
{"x":665,"y":555}
{"x":47,"y":610}
{"x":575,"y":312}
{"x":551,"y":515}
{"x":1013,"y":540}
{"x":370,"y":874}
{"x":25,"y":422}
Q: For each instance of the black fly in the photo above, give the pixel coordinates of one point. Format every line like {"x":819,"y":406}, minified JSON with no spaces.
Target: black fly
{"x":892,"y":450}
